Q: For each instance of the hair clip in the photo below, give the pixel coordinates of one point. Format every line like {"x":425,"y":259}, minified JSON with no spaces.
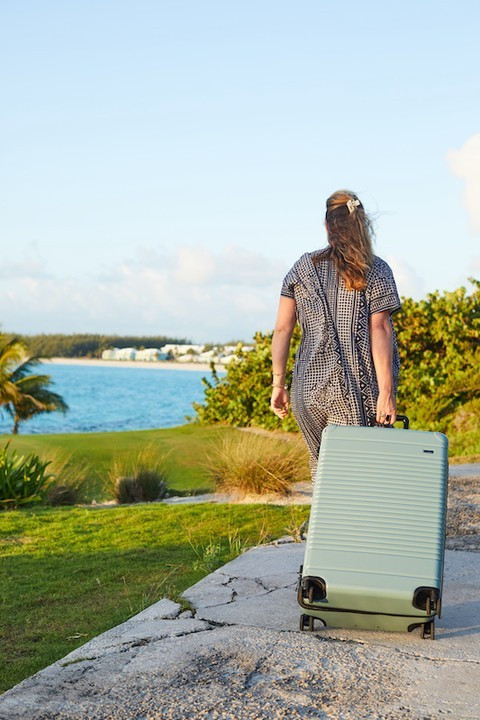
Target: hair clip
{"x":351,"y":204}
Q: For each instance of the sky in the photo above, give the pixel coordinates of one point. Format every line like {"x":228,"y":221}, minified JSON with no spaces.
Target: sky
{"x":163,"y":164}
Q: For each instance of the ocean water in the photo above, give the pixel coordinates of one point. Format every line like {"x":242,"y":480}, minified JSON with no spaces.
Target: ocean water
{"x":115,"y":398}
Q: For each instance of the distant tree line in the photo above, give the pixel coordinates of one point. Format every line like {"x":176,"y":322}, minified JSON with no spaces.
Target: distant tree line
{"x":83,"y":345}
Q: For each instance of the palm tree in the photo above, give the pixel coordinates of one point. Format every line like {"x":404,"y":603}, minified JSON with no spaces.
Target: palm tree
{"x":22,"y":394}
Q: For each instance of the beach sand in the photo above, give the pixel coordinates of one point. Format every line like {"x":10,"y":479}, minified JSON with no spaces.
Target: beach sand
{"x":154,"y":365}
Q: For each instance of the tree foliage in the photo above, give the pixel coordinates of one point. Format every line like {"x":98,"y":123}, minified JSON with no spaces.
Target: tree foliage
{"x":439,"y":344}
{"x":24,"y":394}
{"x":87,"y":345}
{"x":439,"y":387}
{"x":241,"y":397}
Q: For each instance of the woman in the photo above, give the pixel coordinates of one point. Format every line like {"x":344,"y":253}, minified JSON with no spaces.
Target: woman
{"x":346,"y":368}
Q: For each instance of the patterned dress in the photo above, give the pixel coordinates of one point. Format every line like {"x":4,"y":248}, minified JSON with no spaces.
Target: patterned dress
{"x":334,"y":379}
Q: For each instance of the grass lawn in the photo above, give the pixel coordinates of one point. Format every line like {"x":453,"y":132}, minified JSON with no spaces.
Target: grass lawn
{"x":68,"y":574}
{"x":188,"y":445}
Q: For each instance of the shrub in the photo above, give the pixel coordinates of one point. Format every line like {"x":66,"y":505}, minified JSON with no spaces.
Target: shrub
{"x":62,"y":495}
{"x":73,"y":479}
{"x":241,"y":397}
{"x":23,"y":480}
{"x":439,"y":344}
{"x":146,"y":486}
{"x":139,"y":478}
{"x":246,"y":462}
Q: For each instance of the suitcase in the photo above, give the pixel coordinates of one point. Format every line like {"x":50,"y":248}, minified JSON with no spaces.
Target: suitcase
{"x":375,"y":545}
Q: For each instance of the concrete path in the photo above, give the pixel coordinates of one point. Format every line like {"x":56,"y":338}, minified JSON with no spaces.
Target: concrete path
{"x":302,"y":494}
{"x":242,"y":657}
{"x":465,"y":470}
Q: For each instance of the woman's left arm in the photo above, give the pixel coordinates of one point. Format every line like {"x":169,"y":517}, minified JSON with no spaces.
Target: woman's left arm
{"x":282,"y":334}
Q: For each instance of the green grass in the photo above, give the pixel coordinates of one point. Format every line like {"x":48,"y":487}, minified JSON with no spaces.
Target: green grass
{"x":68,"y":574}
{"x":188,"y":445}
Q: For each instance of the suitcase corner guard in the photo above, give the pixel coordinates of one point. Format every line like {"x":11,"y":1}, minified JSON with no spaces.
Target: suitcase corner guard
{"x":428,"y":599}
{"x":311,"y":589}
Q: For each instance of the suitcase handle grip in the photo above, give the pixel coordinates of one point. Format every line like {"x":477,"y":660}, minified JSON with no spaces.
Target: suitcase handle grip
{"x":400,"y":418}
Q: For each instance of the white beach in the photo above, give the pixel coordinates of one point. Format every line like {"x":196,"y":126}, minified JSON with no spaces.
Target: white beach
{"x":153,"y":365}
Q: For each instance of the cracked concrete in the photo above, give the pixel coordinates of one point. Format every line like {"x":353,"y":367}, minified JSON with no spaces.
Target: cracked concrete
{"x":242,"y":656}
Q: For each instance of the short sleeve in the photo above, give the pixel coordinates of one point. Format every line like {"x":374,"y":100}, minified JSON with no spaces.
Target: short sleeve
{"x":288,"y":282}
{"x":382,"y":290}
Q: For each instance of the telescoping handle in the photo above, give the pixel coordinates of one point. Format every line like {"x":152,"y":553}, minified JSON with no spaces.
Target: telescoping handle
{"x":400,"y":418}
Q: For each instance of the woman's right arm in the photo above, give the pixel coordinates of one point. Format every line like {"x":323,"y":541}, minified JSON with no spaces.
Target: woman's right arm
{"x":286,"y":319}
{"x":381,"y":345}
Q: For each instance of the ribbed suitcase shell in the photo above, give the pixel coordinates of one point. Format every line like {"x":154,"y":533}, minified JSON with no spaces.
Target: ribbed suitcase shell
{"x":377,"y":523}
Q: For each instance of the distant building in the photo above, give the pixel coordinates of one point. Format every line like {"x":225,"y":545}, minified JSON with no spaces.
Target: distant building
{"x":226,"y":359}
{"x":180,"y":349}
{"x":207,"y":356}
{"x":187,"y":357}
{"x":150,"y":354}
{"x":181,"y":353}
{"x":231,"y":349}
{"x":126,"y":354}
{"x":109,"y":354}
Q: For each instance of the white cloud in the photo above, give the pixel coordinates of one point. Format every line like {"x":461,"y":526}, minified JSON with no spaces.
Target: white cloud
{"x":194,"y":266}
{"x":188,"y":292}
{"x":31,"y":266}
{"x":465,"y":163}
{"x":408,"y":281}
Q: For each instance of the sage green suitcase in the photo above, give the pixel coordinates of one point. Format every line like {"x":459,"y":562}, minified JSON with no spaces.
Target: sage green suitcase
{"x":375,"y":545}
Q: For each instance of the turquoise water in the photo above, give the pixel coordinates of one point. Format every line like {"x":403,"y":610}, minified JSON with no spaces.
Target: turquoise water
{"x":115,"y":398}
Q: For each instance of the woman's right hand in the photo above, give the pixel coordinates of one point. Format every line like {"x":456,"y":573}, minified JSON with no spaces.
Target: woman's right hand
{"x":386,"y":409}
{"x":280,"y":403}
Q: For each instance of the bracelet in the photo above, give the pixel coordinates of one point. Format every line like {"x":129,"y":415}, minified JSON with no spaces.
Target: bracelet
{"x":285,"y":387}
{"x":284,"y":373}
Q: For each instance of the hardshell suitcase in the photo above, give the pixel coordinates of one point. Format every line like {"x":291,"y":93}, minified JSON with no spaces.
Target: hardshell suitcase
{"x":375,"y":545}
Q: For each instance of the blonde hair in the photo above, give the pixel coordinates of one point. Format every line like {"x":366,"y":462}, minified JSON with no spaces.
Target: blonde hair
{"x":350,"y":236}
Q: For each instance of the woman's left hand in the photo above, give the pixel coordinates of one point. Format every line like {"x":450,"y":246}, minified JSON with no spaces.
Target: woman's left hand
{"x":280,"y":402}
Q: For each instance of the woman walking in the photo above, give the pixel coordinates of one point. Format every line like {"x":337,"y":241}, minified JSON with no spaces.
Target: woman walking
{"x":346,"y":368}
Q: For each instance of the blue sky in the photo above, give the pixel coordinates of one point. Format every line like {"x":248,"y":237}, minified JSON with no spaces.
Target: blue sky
{"x":163,"y":164}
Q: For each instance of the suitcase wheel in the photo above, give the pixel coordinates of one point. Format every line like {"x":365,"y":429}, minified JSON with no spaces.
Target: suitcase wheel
{"x":428,"y":630}
{"x":307,"y":621}
{"x":439,"y":607}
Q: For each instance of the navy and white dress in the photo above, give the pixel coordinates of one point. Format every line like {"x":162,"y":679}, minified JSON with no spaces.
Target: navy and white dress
{"x":334,"y":379}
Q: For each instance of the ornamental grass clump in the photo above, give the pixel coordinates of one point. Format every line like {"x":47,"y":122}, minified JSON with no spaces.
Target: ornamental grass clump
{"x":73,"y":479}
{"x":139,"y":478}
{"x":248,"y":463}
{"x":145,"y":486}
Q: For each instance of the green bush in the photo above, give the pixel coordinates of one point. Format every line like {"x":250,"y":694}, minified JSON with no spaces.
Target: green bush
{"x":439,"y":384}
{"x":439,"y":344}
{"x":241,"y":397}
{"x":23,"y":480}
